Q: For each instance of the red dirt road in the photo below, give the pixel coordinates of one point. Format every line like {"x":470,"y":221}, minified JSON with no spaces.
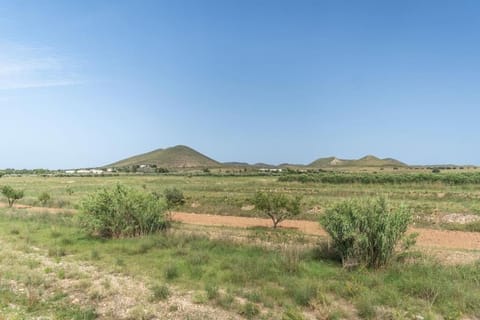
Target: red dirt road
{"x":427,"y":237}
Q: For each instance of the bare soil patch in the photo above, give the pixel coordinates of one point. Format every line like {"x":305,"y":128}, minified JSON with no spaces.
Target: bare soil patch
{"x":427,"y":237}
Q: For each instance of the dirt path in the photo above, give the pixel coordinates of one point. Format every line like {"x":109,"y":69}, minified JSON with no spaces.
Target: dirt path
{"x":427,"y":237}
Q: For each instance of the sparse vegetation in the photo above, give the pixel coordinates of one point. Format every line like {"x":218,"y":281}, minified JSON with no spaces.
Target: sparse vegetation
{"x":44,"y":198}
{"x":174,"y":198}
{"x":276,"y":271}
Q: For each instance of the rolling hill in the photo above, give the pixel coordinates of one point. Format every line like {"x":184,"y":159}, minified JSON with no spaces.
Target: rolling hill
{"x":174,"y":157}
{"x":180,"y":156}
{"x":367,"y":161}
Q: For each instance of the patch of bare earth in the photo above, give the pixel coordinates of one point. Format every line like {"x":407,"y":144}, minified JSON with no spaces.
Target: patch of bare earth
{"x":427,"y":237}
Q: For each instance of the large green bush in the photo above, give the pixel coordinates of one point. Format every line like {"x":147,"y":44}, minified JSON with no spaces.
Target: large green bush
{"x":366,"y":231}
{"x":122,"y":212}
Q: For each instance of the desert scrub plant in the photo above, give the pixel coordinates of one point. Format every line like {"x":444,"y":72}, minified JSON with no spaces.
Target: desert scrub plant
{"x":366,"y":231}
{"x":44,"y":197}
{"x":12,"y":195}
{"x":277,"y":206}
{"x":160,"y":292}
{"x":174,"y":199}
{"x":122,"y":212}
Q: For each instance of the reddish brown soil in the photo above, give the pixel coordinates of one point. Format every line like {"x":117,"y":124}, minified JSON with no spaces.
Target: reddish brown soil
{"x":427,"y":237}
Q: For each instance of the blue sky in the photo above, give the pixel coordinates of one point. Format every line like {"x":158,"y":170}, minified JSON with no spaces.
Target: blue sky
{"x":85,"y":83}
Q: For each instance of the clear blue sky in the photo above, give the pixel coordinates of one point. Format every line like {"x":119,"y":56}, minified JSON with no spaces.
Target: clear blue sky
{"x":85,"y":83}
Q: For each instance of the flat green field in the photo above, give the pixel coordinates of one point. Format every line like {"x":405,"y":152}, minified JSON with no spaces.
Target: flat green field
{"x":230,"y":195}
{"x":52,"y":269}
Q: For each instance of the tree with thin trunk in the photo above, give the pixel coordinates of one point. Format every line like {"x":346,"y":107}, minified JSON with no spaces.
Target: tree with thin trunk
{"x":277,"y":206}
{"x":12,"y":195}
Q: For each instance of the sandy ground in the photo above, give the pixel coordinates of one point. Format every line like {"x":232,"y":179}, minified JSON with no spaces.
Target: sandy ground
{"x":427,"y":237}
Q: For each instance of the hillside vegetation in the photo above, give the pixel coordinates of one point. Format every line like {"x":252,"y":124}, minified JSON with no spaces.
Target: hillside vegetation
{"x":367,"y":161}
{"x":174,"y":157}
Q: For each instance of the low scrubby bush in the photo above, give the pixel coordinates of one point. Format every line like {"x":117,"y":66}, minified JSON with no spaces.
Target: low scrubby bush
{"x":44,"y":198}
{"x":122,"y":212}
{"x":174,"y":198}
{"x":366,"y":231}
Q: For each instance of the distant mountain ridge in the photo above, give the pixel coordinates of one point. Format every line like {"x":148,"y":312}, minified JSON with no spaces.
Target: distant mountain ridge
{"x":181,"y":156}
{"x":367,"y":161}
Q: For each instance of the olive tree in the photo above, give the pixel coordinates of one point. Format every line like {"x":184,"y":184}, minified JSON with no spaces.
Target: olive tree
{"x":277,"y":206}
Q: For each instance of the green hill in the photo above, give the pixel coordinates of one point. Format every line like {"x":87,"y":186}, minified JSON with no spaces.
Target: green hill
{"x":367,"y":161}
{"x":174,"y":157}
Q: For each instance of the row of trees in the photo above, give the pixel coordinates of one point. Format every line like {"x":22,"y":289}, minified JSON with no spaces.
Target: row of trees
{"x":384,"y":178}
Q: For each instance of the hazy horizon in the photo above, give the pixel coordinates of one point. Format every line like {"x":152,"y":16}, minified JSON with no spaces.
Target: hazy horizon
{"x":85,"y":84}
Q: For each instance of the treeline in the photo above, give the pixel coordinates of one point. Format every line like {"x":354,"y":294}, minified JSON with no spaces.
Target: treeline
{"x":10,"y":171}
{"x":384,"y":178}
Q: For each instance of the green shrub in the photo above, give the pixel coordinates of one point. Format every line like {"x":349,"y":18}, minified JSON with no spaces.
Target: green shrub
{"x":122,"y":212}
{"x":366,"y":231}
{"x":212,"y":291}
{"x":249,"y":310}
{"x":160,"y":292}
{"x":44,"y":197}
{"x":174,"y":197}
{"x":12,"y":195}
{"x":171,"y":271}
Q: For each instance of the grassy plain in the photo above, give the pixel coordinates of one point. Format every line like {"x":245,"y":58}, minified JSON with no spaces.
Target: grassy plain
{"x":49,"y":268}
{"x":231,"y":195}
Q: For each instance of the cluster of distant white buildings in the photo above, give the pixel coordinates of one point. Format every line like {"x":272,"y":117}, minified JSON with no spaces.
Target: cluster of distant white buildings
{"x":270,"y":170}
{"x":87,"y":171}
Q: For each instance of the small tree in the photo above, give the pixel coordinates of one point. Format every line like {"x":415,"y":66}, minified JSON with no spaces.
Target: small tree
{"x":44,"y":197}
{"x":366,"y":231}
{"x":277,"y":206}
{"x":12,"y":195}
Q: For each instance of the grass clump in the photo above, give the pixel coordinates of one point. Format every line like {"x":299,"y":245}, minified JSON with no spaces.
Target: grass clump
{"x":171,"y":271}
{"x":249,"y":310}
{"x":44,"y":198}
{"x":160,"y":292}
